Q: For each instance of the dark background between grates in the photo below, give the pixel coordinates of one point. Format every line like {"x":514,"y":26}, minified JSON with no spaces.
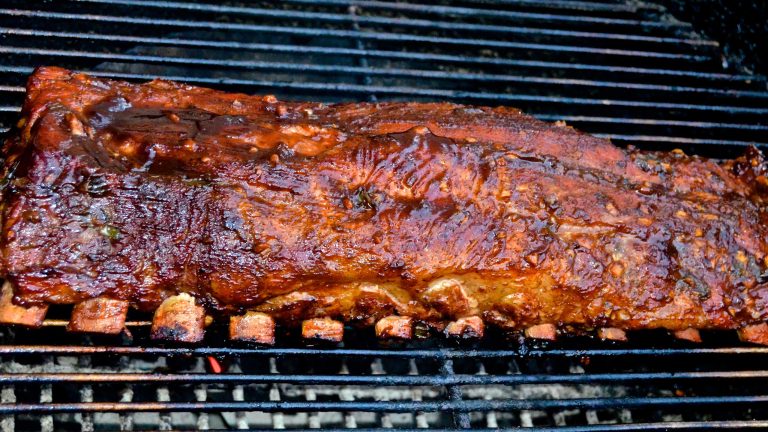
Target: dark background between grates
{"x":624,"y":70}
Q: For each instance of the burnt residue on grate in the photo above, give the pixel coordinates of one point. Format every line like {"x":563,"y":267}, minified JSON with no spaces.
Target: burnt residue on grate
{"x":626,"y":70}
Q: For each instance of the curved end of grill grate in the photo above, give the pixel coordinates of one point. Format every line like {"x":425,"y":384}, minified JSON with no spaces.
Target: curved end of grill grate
{"x":625,"y":70}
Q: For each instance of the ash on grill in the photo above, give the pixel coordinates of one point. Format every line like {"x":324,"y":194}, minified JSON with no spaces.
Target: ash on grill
{"x":621,"y":69}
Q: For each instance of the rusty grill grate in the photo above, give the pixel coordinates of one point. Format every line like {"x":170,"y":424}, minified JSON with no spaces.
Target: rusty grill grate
{"x":620,"y":69}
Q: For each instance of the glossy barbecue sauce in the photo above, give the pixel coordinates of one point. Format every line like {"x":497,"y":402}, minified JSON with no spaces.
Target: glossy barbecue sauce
{"x":173,"y":141}
{"x":357,"y":211}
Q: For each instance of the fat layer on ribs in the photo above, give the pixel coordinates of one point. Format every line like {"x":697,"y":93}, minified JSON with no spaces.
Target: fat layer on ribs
{"x":356,"y":212}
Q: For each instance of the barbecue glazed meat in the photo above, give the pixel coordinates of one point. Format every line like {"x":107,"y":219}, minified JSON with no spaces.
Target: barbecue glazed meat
{"x":452,"y":215}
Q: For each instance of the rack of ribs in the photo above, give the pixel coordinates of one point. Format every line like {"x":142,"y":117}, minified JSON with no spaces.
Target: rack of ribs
{"x":197,"y":204}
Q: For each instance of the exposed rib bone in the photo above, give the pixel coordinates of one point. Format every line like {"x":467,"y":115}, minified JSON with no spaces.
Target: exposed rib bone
{"x":466,"y":328}
{"x":690,"y":335}
{"x":396,"y":327}
{"x":19,"y":315}
{"x":252,"y":327}
{"x":99,"y":315}
{"x":612,"y":333}
{"x":449,"y":296}
{"x":323,"y":328}
{"x":179,"y":319}
{"x":756,"y":333}
{"x":542,"y":331}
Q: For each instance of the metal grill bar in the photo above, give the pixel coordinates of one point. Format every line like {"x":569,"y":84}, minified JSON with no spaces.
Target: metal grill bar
{"x":366,"y":35}
{"x":673,"y":139}
{"x":662,"y":426}
{"x":657,"y":122}
{"x":391,"y":90}
{"x":623,"y":70}
{"x":523,"y":351}
{"x":468,"y":27}
{"x":391,"y":406}
{"x":427,"y":57}
{"x":424,"y":57}
{"x":410,"y":7}
{"x":569,"y":5}
{"x":413,"y":73}
{"x":461,"y":419}
{"x":446,"y":379}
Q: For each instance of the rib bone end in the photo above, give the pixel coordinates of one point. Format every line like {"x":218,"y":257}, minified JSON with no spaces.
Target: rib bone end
{"x":19,"y":315}
{"x":757,"y":333}
{"x":395,"y":327}
{"x":612,"y":333}
{"x":542,"y":331}
{"x":252,"y":327}
{"x":179,"y":319}
{"x":323,"y":329}
{"x":690,"y":335}
{"x":99,"y":315}
{"x":466,"y":328}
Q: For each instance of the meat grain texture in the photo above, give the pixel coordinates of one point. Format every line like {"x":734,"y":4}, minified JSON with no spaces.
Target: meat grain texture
{"x":356,"y":212}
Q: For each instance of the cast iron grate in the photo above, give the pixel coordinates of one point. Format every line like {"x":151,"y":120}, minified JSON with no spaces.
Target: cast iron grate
{"x":620,"y":69}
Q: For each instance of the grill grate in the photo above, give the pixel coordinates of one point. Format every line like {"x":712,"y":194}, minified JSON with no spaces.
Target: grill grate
{"x":620,"y":69}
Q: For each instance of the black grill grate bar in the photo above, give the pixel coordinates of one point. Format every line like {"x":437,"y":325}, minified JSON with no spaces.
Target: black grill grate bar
{"x":673,"y":139}
{"x":581,"y":6}
{"x":664,"y":426}
{"x":397,"y":72}
{"x":461,"y":419}
{"x":669,"y":40}
{"x":407,"y":7}
{"x":372,"y":71}
{"x":395,"y":90}
{"x":522,"y":351}
{"x":399,"y":55}
{"x":385,"y":406}
{"x":654,"y":122}
{"x":447,"y":379}
{"x":473,"y":27}
{"x":366,"y":35}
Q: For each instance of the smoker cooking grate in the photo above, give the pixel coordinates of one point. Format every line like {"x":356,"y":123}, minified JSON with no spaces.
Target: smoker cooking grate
{"x":620,"y":69}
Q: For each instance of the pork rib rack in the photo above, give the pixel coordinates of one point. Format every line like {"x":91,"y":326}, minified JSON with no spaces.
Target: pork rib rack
{"x":191,"y":203}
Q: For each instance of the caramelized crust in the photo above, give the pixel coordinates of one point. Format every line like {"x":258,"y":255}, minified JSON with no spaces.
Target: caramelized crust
{"x":361,"y":211}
